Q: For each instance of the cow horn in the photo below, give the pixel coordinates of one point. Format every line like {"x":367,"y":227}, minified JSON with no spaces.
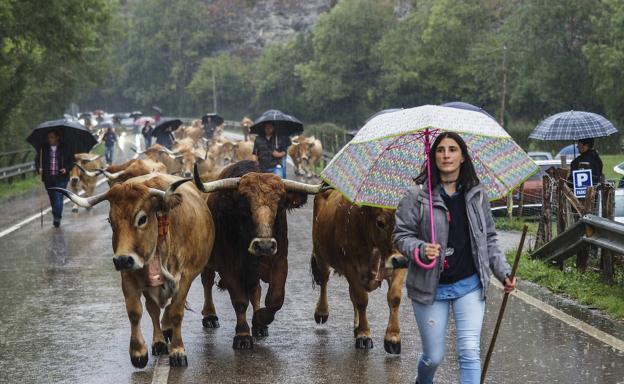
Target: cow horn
{"x":295,"y":186}
{"x":138,"y":152}
{"x":88,"y":173}
{"x":112,"y":176}
{"x":87,"y":202}
{"x":214,"y":186}
{"x":166,"y":195}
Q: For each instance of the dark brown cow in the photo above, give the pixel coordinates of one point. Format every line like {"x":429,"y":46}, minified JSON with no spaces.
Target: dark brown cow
{"x":158,"y":258}
{"x":356,"y":242}
{"x":251,"y":243}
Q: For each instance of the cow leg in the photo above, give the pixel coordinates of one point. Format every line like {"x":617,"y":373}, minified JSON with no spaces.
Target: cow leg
{"x":172,"y":323}
{"x":240,"y":302}
{"x":134,"y":308}
{"x":258,"y":331}
{"x":209,"y":312}
{"x":320,"y":273}
{"x":273,"y":301}
{"x":392,"y":339}
{"x":75,"y":188}
{"x":359,"y":297}
{"x":159,"y":346}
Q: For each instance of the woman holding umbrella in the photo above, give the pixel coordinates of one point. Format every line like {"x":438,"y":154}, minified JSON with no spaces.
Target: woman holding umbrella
{"x":452,"y":272}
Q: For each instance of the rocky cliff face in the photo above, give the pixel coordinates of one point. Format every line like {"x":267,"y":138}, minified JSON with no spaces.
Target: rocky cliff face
{"x":248,"y":25}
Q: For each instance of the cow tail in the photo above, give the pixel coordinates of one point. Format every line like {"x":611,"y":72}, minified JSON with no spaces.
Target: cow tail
{"x":316,"y":272}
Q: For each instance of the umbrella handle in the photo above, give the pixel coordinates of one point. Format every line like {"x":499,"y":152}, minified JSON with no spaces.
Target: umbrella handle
{"x":429,"y":187}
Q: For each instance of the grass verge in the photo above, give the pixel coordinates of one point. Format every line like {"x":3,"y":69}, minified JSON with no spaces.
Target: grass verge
{"x":514,"y":224}
{"x":18,"y":187}
{"x":585,"y":288}
{"x":608,"y":162}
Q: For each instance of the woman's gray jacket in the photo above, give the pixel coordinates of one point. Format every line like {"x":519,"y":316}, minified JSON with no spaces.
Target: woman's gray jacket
{"x":412,"y":231}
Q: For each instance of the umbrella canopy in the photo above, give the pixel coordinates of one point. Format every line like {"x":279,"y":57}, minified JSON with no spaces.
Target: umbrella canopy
{"x":74,"y":136}
{"x":141,"y":121}
{"x":573,"y":125}
{"x":136,"y":114}
{"x":164,"y":124}
{"x":381,"y":161}
{"x":157,"y":109}
{"x":214,"y":118}
{"x":383,"y":111}
{"x":285,"y":125}
{"x":467,"y":107}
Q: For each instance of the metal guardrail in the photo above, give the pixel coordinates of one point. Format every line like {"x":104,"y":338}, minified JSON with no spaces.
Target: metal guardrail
{"x":15,"y":163}
{"x":16,"y":170}
{"x":590,"y":229}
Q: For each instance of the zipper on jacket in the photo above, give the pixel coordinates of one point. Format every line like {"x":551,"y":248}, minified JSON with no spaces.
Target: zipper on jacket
{"x":478,"y":217}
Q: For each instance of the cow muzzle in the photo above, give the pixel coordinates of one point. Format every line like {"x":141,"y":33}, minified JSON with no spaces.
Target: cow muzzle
{"x":126,"y":263}
{"x":187,"y":174}
{"x":74,"y":180}
{"x":263,"y":246}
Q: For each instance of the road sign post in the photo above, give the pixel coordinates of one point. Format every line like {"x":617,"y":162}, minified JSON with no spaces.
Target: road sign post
{"x":581,"y":179}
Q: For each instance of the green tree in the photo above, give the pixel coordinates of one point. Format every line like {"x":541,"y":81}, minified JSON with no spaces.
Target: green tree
{"x":340,"y":79}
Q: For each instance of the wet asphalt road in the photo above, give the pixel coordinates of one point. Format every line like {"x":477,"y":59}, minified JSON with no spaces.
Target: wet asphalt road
{"x":62,"y":319}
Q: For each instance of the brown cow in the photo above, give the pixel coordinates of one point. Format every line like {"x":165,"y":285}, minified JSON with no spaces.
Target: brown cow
{"x":356,"y":242}
{"x":243,"y":150}
{"x":306,"y":153}
{"x":160,"y":154}
{"x":161,"y":241}
{"x":245,"y":125}
{"x":194,"y":132}
{"x":132,"y":168}
{"x":84,"y":174}
{"x":251,"y":243}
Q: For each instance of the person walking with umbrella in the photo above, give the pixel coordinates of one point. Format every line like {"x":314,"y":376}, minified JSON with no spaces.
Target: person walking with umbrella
{"x":146,"y":131}
{"x":54,"y":162}
{"x":110,"y":138}
{"x":163,"y":131}
{"x":270,"y":150}
{"x":465,"y":250}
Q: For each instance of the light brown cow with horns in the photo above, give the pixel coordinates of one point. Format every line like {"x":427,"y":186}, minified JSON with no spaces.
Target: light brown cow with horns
{"x":163,"y":236}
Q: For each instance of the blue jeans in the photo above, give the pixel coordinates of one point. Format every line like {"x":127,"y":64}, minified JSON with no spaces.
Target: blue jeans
{"x":432,"y":321}
{"x":281,"y":172}
{"x":56,"y":198}
{"x":108,"y":154}
{"x":148,"y":141}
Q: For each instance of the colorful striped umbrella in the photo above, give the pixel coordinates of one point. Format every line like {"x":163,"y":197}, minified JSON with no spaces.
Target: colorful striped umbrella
{"x":378,"y":165}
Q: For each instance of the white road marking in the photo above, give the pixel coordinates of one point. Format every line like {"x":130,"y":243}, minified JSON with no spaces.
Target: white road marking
{"x":161,"y":370}
{"x":580,"y":325}
{"x":36,"y":216}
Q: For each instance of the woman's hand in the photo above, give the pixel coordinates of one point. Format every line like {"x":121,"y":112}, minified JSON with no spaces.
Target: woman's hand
{"x":510,"y":285}
{"x":432,"y":251}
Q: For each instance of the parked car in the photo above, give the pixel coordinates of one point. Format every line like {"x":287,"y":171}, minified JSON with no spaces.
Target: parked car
{"x":619,"y":169}
{"x":570,"y":151}
{"x":532,"y":190}
{"x":619,"y":205}
{"x":540,"y":156}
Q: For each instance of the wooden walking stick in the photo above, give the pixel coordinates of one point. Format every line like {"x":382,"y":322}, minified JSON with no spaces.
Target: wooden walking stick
{"x":41,"y":194}
{"x":503,"y":305}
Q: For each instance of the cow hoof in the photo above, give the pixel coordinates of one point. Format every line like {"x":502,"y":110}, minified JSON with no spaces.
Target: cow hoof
{"x":243,"y":342}
{"x":210,"y":322}
{"x":260,"y":331}
{"x":178,"y":359}
{"x":364,"y":343}
{"x":168,"y":334}
{"x":320,"y":319}
{"x":75,"y":209}
{"x":159,"y":348}
{"x":392,"y":347}
{"x":139,"y":361}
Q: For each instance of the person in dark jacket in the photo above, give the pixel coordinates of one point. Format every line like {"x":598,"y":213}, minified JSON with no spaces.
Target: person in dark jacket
{"x":588,"y":158}
{"x":453,"y":273}
{"x":110,"y":139}
{"x":165,"y":138}
{"x":270,"y":151}
{"x":146,"y":131}
{"x":209,"y":127}
{"x":54,"y":163}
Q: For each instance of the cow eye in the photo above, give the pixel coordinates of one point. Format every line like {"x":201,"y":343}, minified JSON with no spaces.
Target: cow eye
{"x":140,"y":220}
{"x":380,"y":224}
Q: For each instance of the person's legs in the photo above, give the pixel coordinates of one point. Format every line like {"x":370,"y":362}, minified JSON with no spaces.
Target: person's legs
{"x":468,"y":311}
{"x":52,"y":197}
{"x":432,"y":322}
{"x":276,"y":171}
{"x":284,"y":163}
{"x":57,"y":201}
{"x":109,"y":154}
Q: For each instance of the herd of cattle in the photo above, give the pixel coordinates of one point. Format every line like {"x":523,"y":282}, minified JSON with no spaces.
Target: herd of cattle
{"x":231,"y":220}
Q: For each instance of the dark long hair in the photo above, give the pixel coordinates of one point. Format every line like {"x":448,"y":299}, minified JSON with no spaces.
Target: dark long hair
{"x":467,"y":176}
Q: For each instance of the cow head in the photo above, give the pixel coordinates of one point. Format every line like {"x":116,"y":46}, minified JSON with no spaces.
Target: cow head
{"x":85,"y":164}
{"x":228,"y":151}
{"x":133,"y":218}
{"x":265,"y":196}
{"x":120,"y":173}
{"x":380,"y":224}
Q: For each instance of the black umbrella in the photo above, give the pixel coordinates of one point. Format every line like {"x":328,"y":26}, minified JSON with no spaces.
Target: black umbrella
{"x":136,"y":114}
{"x":285,"y":125}
{"x":75,"y":137}
{"x":163,"y":124}
{"x":157,"y":109}
{"x":214,"y":119}
{"x":468,"y":107}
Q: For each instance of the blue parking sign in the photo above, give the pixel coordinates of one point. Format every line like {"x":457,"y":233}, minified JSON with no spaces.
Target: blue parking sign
{"x":581,"y":179}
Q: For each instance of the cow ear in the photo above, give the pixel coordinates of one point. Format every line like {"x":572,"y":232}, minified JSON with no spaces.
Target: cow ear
{"x":295,"y":199}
